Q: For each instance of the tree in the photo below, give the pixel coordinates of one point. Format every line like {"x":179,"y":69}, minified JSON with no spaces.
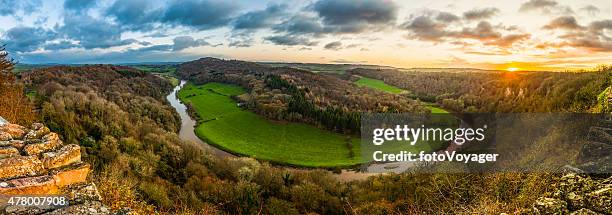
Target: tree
{"x":14,"y":105}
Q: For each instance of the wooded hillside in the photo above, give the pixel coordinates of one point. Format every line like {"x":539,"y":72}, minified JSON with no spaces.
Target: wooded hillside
{"x":284,"y":93}
{"x":502,"y":91}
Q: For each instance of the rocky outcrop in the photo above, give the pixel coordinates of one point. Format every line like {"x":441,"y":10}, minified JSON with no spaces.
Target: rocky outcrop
{"x":3,"y":121}
{"x":576,"y":194}
{"x":34,"y":161}
{"x":596,"y":155}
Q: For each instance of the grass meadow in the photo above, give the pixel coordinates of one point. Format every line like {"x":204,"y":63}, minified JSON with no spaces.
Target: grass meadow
{"x":378,"y":85}
{"x":382,"y":86}
{"x":227,"y":126}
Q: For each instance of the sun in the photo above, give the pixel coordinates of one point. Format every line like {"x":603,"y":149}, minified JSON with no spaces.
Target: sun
{"x":512,"y":69}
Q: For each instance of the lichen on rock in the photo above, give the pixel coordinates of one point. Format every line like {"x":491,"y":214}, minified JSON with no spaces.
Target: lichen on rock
{"x":34,"y":161}
{"x":577,"y":194}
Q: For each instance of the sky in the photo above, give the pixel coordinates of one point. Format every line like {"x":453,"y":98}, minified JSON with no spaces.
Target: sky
{"x":502,"y":34}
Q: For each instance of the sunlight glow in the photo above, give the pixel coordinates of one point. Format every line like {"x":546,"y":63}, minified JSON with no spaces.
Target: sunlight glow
{"x":512,"y":69}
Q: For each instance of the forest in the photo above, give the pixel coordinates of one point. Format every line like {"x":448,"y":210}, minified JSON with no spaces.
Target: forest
{"x":498,"y":91}
{"x":120,"y":117}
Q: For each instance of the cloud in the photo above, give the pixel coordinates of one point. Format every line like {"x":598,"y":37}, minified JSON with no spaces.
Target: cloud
{"x":60,"y":45}
{"x":78,"y":5}
{"x":427,"y":28}
{"x":563,"y":22}
{"x":599,"y":26}
{"x":105,"y":57}
{"x":91,"y":32}
{"x":545,"y":6}
{"x":241,"y":39}
{"x":591,"y":37}
{"x":261,"y":18}
{"x":143,"y":15}
{"x":135,"y":14}
{"x":424,"y":28}
{"x":184,"y":42}
{"x":12,"y":7}
{"x":27,"y":39}
{"x":325,"y":17}
{"x":179,"y":43}
{"x":290,"y":40}
{"x":508,"y":40}
{"x":245,"y":25}
{"x":537,"y":5}
{"x":447,"y":17}
{"x":300,"y":24}
{"x":199,"y":14}
{"x":155,"y":48}
{"x":490,"y":35}
{"x":591,"y":10}
{"x":348,"y":16}
{"x":333,"y":45}
{"x":483,"y":31}
{"x":479,"y":14}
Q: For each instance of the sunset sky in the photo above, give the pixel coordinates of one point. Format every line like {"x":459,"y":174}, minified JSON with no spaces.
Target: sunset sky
{"x":522,"y":34}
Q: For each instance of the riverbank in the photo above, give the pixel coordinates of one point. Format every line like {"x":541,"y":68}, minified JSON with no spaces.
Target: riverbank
{"x":227,"y":126}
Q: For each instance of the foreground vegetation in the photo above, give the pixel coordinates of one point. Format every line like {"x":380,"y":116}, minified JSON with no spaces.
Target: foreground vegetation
{"x":229,"y":127}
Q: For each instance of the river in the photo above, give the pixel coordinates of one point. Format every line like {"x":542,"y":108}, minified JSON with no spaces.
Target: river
{"x":187,"y":133}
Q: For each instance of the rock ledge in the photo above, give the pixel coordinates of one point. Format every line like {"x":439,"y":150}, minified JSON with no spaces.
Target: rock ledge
{"x":35,"y":162}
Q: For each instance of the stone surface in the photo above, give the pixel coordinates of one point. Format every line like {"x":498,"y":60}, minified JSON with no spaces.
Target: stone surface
{"x":19,"y":144}
{"x":71,"y":175}
{"x":584,"y":211}
{"x":23,"y":210}
{"x":8,"y":151}
{"x":81,"y":193}
{"x":20,"y":166}
{"x":3,"y":121}
{"x":93,"y":208}
{"x":32,"y":185}
{"x":50,"y":169}
{"x":601,"y":134}
{"x":577,"y":194}
{"x":550,"y":206}
{"x":67,"y":155}
{"x":5,"y":136}
{"x":16,"y":131}
{"x":50,"y":142}
{"x":37,"y":132}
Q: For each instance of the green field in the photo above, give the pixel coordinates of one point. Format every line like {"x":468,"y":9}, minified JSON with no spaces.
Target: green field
{"x":382,"y":86}
{"x":168,"y":69}
{"x":435,"y":108}
{"x":225,"y":125}
{"x":378,"y":84}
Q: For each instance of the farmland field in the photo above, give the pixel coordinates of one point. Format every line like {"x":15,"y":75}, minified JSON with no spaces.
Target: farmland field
{"x":382,"y":86}
{"x":223,"y":124}
{"x":378,"y":84}
{"x":434,"y":108}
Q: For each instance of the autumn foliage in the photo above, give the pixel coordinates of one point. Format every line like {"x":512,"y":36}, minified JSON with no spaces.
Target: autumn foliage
{"x":14,"y":105}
